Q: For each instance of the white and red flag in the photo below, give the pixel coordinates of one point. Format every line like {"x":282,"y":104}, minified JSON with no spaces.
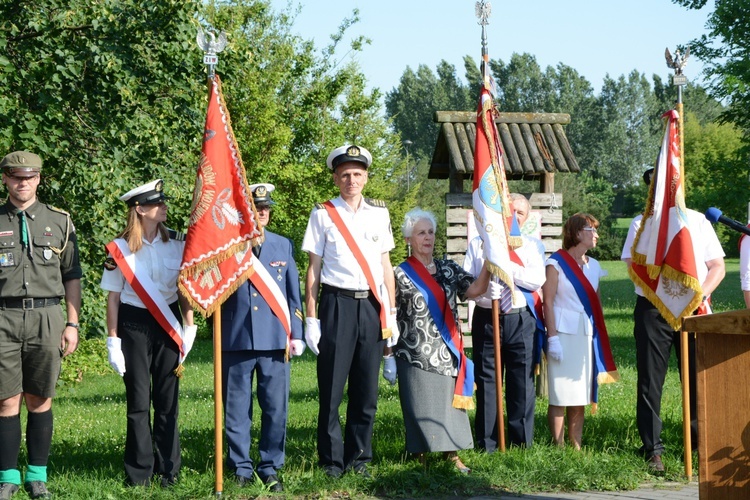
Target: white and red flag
{"x":495,"y":221}
{"x":663,"y":262}
{"x":223,"y":222}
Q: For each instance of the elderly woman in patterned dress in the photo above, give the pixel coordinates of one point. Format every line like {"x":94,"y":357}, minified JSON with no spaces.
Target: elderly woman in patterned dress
{"x":435,"y":377}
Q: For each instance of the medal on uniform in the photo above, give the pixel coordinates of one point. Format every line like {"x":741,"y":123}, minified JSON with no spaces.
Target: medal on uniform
{"x":278,"y":276}
{"x":47,"y":253}
{"x":6,"y":259}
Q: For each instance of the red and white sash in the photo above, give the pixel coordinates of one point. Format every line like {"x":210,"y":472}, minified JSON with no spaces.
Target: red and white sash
{"x":272,"y":294}
{"x":352,"y":244}
{"x":146,"y":290}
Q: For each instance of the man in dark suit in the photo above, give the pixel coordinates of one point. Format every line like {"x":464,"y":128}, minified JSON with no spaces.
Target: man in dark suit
{"x":261,"y":330}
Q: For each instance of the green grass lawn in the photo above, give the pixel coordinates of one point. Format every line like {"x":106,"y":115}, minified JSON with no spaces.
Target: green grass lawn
{"x":89,"y":437}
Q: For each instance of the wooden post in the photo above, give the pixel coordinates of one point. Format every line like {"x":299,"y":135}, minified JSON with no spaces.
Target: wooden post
{"x":498,"y":375}
{"x":218,"y":407}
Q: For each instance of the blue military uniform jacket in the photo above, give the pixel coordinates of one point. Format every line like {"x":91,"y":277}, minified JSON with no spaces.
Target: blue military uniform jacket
{"x":247,"y":321}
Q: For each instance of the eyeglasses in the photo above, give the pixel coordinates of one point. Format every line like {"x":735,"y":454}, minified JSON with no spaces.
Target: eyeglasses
{"x":592,"y":229}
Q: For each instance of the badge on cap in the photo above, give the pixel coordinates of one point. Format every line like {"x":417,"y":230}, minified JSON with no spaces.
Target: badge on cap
{"x":353,"y":151}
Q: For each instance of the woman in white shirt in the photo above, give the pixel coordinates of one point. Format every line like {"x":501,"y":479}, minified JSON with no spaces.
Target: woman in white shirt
{"x":578,"y":348}
{"x":146,"y":342}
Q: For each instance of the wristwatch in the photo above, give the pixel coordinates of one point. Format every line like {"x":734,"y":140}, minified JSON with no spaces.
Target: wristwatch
{"x":74,"y":325}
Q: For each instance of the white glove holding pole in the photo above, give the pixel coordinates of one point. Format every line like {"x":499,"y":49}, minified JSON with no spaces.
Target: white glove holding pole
{"x":115,"y":356}
{"x":297,"y":347}
{"x":496,"y":289}
{"x":554,"y":348}
{"x":188,"y":339}
{"x":389,"y":369}
{"x":312,"y":334}
{"x":392,"y":323}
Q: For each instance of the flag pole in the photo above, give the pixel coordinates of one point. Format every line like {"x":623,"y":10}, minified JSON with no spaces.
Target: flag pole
{"x":211,"y":47}
{"x":678,"y":62}
{"x":483,"y":11}
{"x":218,"y":405}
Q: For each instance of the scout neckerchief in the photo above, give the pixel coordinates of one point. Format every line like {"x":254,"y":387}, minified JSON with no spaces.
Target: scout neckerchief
{"x":271,"y":293}
{"x":605,"y":370}
{"x":144,"y":287}
{"x":445,"y":321}
{"x":354,"y":248}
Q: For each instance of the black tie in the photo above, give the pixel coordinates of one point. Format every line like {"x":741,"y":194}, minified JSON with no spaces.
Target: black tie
{"x":256,"y":250}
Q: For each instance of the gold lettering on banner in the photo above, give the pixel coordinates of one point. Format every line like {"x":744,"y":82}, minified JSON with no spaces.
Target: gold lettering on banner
{"x":204,"y":192}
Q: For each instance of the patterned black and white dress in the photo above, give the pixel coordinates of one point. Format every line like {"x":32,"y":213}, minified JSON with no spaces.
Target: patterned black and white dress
{"x":427,"y":369}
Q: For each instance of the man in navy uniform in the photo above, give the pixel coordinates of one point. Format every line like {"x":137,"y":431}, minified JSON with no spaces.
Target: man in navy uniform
{"x":348,"y":241}
{"x":261,"y":329}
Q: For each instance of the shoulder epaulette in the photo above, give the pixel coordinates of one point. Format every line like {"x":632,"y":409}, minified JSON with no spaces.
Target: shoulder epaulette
{"x":319,"y":206}
{"x":375,"y":203}
{"x":174,"y":235}
{"x":58,"y":210}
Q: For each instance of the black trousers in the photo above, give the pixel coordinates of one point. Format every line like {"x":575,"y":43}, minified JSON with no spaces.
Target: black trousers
{"x":350,"y":349}
{"x":654,"y":339}
{"x":150,"y":359}
{"x":517,"y":359}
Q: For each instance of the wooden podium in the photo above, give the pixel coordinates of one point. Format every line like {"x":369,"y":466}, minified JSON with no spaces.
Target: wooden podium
{"x":723,"y":406}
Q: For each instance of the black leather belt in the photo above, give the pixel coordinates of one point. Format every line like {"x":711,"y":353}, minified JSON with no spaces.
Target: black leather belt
{"x":28,"y":303}
{"x":355,"y":294}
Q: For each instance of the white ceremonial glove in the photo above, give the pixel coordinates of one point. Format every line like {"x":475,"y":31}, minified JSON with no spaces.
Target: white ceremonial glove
{"x":392,"y":323}
{"x":115,"y":356}
{"x":389,"y":369}
{"x":554,"y":348}
{"x":496,"y":290}
{"x":188,"y":338}
{"x":297,"y":347}
{"x":312,"y":334}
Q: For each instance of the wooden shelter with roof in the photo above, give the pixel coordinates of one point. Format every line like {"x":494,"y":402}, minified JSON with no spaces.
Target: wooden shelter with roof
{"x":535,"y":148}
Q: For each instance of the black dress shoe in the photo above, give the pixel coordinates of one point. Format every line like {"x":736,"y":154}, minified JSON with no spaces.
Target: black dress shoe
{"x":273,"y":483}
{"x":168,"y":481}
{"x":332,"y":471}
{"x":361,"y":470}
{"x":242,"y":481}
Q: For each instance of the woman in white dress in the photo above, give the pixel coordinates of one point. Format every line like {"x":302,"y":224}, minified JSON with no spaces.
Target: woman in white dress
{"x":578,"y":351}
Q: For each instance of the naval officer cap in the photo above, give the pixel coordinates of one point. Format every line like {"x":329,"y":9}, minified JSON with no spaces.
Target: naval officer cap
{"x":349,"y":153}
{"x":21,"y":164}
{"x":147,"y":194}
{"x":262,"y":194}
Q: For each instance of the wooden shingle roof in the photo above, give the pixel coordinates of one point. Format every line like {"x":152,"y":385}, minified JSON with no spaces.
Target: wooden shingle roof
{"x":534,"y":144}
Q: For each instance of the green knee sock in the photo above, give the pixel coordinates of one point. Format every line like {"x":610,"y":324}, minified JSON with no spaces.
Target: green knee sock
{"x":12,"y":476}
{"x":35,"y":473}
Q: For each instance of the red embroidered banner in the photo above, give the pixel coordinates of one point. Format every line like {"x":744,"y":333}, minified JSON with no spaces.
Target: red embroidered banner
{"x":223,"y":221}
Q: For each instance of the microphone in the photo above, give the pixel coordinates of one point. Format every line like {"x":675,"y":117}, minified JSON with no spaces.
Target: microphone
{"x":714,"y":215}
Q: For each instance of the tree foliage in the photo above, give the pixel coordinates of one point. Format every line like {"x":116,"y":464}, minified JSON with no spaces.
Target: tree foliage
{"x":725,"y":52}
{"x":113,"y":94}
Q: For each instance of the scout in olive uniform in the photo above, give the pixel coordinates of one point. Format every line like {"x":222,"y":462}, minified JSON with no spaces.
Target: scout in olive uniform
{"x":38,"y":267}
